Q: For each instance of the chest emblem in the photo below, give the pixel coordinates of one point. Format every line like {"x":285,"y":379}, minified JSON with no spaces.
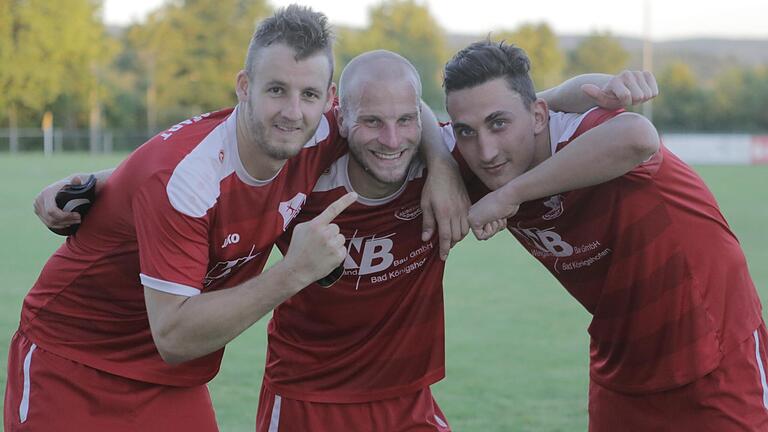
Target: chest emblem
{"x":555,"y":205}
{"x":290,"y":209}
{"x":408,"y":213}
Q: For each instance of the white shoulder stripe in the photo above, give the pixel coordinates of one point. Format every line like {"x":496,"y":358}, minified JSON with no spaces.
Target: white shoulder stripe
{"x":322,"y":132}
{"x":562,"y":126}
{"x":335,"y":176}
{"x":168,"y":287}
{"x":449,"y":139}
{"x":194,"y":184}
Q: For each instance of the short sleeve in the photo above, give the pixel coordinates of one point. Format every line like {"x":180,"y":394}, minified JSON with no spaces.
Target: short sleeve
{"x":173,"y":247}
{"x":598,"y":116}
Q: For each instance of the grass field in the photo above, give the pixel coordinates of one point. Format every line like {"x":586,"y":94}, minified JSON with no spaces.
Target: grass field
{"x":516,"y":342}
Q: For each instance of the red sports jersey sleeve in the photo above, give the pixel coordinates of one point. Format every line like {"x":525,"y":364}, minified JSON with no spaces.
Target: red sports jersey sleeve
{"x":180,"y":265}
{"x":379,"y":331}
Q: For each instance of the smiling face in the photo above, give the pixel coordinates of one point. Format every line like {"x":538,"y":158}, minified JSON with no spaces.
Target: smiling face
{"x":380,"y":117}
{"x":282,"y":100}
{"x":383,"y":134}
{"x":498,"y":136}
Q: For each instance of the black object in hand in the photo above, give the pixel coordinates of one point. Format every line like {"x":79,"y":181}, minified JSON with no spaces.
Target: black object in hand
{"x":75,"y":198}
{"x":332,"y":277}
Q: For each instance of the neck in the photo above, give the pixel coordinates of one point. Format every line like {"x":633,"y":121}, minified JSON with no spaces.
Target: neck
{"x":366,"y":185}
{"x":256,"y":163}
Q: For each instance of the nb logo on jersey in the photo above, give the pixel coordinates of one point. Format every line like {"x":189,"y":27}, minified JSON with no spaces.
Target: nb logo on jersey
{"x":555,"y":204}
{"x":233,"y":238}
{"x":546,"y":241}
{"x":290,"y":209}
{"x":371,"y":254}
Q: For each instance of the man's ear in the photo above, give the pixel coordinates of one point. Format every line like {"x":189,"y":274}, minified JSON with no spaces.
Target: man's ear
{"x":339,"y":114}
{"x":331,"y":97}
{"x":241,"y":86}
{"x":540,"y":116}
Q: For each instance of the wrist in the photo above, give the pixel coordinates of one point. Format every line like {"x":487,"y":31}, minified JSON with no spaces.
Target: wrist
{"x":292,"y":278}
{"x":511,"y":194}
{"x":441,"y":164}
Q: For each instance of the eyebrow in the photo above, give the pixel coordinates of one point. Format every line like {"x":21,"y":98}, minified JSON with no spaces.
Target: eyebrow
{"x":380,"y":116}
{"x":460,"y":125}
{"x":275,"y":82}
{"x":494,"y":115}
{"x":284,"y":84}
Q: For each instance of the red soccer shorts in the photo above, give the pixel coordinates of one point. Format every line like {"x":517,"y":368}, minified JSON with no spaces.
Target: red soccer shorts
{"x":46,"y":392}
{"x":417,"y":412}
{"x":733,"y":397}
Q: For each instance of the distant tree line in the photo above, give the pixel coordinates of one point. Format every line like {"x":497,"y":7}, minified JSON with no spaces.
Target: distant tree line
{"x":58,"y":56}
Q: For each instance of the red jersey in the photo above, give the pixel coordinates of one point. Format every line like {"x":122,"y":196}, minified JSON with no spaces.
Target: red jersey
{"x":378,"y":332}
{"x":180,"y":215}
{"x":651,"y":257}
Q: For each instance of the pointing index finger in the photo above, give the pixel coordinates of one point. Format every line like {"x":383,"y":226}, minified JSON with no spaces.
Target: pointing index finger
{"x":335,"y":209}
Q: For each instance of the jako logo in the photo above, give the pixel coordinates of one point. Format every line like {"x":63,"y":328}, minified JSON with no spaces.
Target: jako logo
{"x":546,"y":241}
{"x":233,"y":238}
{"x":372,"y":254}
{"x":408,"y":213}
{"x":290,"y":209}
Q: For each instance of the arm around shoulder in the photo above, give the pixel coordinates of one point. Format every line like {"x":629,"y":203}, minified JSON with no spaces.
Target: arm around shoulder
{"x":638,"y":134}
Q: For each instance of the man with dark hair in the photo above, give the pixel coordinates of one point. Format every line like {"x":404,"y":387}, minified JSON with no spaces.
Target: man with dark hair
{"x":129,"y":318}
{"x":677,"y":337}
{"x":304,"y":30}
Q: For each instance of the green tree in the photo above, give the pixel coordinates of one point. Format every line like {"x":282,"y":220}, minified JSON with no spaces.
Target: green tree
{"x":542,"y":47}
{"x":739,"y":98}
{"x":54,"y":47}
{"x":407,"y":28}
{"x":682,"y":105}
{"x":598,"y":52}
{"x":191,"y":51}
{"x":33,"y":77}
{"x":6,"y":47}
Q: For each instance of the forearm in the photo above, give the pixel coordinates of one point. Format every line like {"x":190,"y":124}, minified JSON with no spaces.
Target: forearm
{"x":202,"y":324}
{"x":569,"y":97}
{"x":597,"y":156}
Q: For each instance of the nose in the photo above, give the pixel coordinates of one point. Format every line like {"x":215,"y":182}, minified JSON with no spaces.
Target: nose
{"x":292,"y":108}
{"x":389,"y":137}
{"x":487,"y":149}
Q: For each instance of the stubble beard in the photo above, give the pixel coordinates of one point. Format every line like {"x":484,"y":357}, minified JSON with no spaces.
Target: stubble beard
{"x":356,"y":154}
{"x":276,"y":151}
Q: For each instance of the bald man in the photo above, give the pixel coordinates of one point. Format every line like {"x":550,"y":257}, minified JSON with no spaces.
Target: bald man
{"x":362,"y":354}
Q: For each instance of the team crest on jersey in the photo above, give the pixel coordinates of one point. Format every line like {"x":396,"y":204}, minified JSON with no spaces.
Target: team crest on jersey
{"x":555,"y":204}
{"x":408,"y":213}
{"x":290,"y":209}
